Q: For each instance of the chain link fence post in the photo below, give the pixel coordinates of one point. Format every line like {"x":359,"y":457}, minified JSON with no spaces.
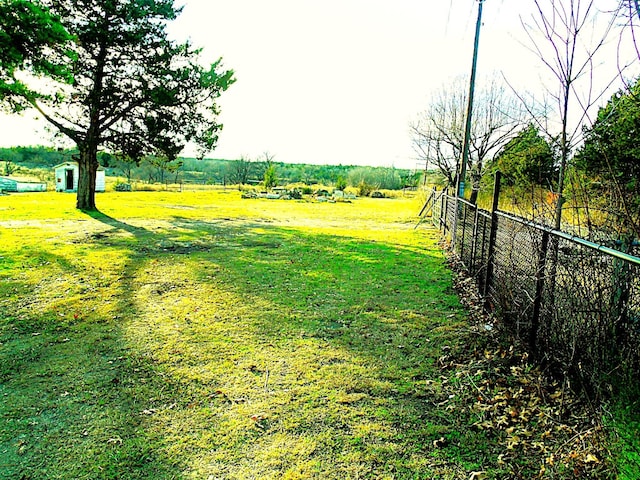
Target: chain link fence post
{"x":488,"y":279}
{"x":537,"y":303}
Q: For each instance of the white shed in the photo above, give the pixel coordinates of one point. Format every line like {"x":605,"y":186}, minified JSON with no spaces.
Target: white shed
{"x":67,"y":177}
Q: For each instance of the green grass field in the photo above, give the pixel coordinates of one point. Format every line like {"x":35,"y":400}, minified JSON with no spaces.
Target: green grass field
{"x":197,"y":335}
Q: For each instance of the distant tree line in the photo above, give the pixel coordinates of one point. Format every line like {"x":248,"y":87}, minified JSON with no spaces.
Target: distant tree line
{"x":264,"y":171}
{"x":271,"y":173}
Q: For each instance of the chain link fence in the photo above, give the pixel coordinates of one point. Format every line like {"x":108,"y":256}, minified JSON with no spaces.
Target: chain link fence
{"x":575,"y":303}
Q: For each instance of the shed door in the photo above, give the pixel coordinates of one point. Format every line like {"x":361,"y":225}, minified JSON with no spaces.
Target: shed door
{"x":68,"y":180}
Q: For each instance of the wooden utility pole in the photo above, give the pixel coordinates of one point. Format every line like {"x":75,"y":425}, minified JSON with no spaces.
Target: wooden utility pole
{"x":472,"y":82}
{"x":462,"y":171}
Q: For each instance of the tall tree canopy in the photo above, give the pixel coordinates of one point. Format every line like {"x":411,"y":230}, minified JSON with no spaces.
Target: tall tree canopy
{"x":527,"y":159}
{"x":34,"y":39}
{"x":610,"y":159}
{"x":134,"y":92}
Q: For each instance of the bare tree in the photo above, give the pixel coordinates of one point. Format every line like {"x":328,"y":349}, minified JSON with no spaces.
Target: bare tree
{"x":240,"y":170}
{"x":630,"y":11}
{"x":267,"y":158}
{"x":564,"y":36}
{"x":162,"y":166}
{"x":263,"y":163}
{"x":569,"y":37}
{"x":438,"y":133}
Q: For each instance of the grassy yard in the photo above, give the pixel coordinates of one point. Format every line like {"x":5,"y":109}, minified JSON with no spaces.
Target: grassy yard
{"x":197,"y":335}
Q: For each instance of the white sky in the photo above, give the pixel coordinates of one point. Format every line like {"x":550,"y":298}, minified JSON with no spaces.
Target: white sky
{"x":338,"y":81}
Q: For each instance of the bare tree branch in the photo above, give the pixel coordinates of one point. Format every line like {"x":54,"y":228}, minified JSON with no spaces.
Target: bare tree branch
{"x":564,"y":36}
{"x":438,"y":134}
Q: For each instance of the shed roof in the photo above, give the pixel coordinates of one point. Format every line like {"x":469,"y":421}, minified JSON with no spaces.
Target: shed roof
{"x":72,"y":164}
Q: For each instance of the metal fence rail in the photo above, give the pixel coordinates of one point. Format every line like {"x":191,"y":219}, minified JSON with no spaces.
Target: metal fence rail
{"x":575,"y":303}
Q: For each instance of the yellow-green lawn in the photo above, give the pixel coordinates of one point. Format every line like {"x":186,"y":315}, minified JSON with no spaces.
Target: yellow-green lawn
{"x":198,"y":335}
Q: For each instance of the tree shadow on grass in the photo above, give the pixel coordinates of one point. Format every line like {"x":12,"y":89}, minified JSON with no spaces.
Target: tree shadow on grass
{"x":237,"y":349}
{"x":76,"y":398}
{"x":305,"y":338}
{"x":112,"y":222}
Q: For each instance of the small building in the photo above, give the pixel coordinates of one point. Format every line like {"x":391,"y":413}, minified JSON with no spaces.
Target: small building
{"x":20,"y":185}
{"x":67,"y":174}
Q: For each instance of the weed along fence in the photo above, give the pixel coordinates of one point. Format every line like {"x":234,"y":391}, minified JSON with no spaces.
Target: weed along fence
{"x":575,"y":303}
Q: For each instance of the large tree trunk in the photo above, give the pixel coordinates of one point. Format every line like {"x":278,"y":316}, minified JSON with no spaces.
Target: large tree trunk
{"x":88,"y":163}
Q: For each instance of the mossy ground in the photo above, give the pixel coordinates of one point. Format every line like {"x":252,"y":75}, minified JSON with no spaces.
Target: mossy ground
{"x":196,"y":335}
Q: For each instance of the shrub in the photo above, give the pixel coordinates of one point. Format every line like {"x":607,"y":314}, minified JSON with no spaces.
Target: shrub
{"x":122,"y":187}
{"x":364,"y":189}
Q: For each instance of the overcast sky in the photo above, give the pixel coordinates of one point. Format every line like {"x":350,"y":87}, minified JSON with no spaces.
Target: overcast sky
{"x":338,"y":81}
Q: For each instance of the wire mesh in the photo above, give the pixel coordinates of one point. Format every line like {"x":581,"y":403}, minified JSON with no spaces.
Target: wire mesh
{"x":577,"y":306}
{"x":517,"y":254}
{"x":589,"y":323}
{"x":472,"y":242}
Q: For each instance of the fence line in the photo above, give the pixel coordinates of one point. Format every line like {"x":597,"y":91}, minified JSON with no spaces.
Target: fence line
{"x":574,"y":302}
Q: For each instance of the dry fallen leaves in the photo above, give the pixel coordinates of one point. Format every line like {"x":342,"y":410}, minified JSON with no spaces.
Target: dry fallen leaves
{"x":513,"y":400}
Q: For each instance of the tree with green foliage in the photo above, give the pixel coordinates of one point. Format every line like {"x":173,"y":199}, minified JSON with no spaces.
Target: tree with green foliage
{"x":527,"y":159}
{"x":341,"y":183}
{"x":125,"y":167}
{"x":270,"y":177}
{"x":9,"y":168}
{"x":610,"y":161}
{"x":134,"y":92}
{"x":33,"y":44}
{"x":36,"y":157}
{"x":162,"y":166}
